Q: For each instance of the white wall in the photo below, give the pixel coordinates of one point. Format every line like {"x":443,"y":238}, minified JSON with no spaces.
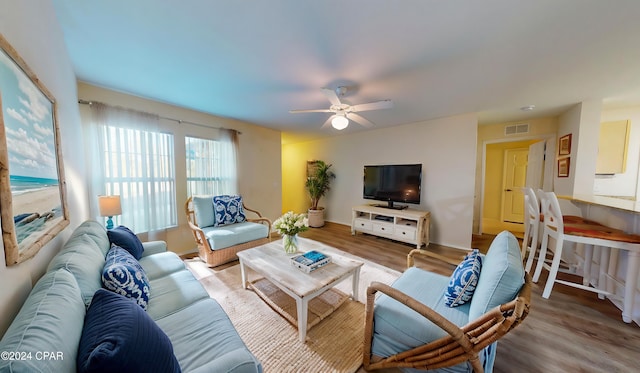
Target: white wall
{"x":259,"y":176}
{"x":32,"y":29}
{"x":446,"y":148}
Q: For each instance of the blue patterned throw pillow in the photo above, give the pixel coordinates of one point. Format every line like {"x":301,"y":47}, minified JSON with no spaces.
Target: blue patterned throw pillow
{"x":464,"y":280}
{"x":123,"y":274}
{"x":228,"y":210}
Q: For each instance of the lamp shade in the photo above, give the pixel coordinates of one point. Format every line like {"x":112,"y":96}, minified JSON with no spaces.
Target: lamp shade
{"x":109,"y":205}
{"x":339,"y":122}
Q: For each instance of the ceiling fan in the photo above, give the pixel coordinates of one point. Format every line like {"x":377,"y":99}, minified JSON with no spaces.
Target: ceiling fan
{"x":342,"y":112}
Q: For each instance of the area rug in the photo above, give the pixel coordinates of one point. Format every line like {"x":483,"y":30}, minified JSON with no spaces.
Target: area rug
{"x":333,"y":345}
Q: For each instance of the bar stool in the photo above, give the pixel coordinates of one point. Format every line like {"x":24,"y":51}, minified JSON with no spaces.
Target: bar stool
{"x":591,"y":235}
{"x":534,"y":225}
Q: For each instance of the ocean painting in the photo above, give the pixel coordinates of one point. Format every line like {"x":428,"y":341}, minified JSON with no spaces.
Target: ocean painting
{"x":29,"y":131}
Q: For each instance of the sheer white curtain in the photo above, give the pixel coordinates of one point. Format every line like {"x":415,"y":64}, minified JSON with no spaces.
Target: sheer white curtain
{"x":228,"y":159}
{"x":130,"y":157}
{"x":211,"y":164}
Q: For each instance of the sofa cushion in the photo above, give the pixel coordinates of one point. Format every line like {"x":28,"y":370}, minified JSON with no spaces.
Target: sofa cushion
{"x":228,"y":210}
{"x":82,"y":257}
{"x":50,"y":320}
{"x":118,"y":336}
{"x":123,"y":274}
{"x":162,"y":264}
{"x":96,"y":231}
{"x":501,"y":277}
{"x":464,"y":279}
{"x":203,"y":210}
{"x":174,"y":292}
{"x":234,"y":234}
{"x":212,"y":346}
{"x":126,"y":239}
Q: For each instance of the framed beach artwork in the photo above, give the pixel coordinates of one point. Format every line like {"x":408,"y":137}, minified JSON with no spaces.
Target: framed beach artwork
{"x":33,"y":204}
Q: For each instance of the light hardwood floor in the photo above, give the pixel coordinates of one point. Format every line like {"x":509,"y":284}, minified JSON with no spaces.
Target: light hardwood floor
{"x":572,"y":331}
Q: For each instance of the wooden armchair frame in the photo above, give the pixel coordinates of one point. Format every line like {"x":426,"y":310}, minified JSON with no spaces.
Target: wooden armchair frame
{"x":460,"y":345}
{"x":217,"y":257}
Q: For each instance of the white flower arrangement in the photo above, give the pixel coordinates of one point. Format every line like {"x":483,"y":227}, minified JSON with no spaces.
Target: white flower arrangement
{"x":291,"y":224}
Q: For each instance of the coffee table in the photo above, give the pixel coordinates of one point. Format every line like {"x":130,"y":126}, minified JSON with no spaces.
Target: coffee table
{"x":273,"y":264}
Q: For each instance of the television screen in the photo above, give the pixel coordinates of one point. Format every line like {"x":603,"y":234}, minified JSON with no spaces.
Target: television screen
{"x":393,"y":183}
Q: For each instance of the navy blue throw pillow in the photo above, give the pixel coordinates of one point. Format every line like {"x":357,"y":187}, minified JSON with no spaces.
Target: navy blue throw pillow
{"x":123,"y":274}
{"x":118,"y":336}
{"x":123,"y":237}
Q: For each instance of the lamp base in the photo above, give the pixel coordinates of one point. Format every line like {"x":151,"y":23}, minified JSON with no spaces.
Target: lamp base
{"x":110,"y":223}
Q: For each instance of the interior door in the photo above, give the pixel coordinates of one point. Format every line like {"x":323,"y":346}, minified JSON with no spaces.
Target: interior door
{"x":535,"y":166}
{"x":514,"y":178}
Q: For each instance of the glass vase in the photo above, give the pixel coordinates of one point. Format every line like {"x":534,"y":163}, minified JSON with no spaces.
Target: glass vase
{"x":290,"y":243}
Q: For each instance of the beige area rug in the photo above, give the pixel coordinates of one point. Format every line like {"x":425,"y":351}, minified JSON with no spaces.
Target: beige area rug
{"x":333,"y":345}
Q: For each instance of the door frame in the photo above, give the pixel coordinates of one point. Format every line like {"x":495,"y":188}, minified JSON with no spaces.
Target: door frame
{"x":548,"y":171}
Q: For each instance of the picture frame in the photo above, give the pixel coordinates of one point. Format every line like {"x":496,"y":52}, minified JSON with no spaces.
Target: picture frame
{"x":563,"y":167}
{"x":33,"y":203}
{"x":564,"y":145}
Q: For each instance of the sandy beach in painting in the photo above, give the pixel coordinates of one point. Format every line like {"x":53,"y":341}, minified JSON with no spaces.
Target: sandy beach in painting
{"x":39,"y":201}
{"x":45,"y":202}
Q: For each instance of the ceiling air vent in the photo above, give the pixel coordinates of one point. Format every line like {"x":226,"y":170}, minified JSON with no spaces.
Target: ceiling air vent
{"x":516,"y":129}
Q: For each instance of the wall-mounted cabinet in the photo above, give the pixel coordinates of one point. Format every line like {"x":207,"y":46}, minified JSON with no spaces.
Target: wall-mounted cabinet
{"x":612,"y":147}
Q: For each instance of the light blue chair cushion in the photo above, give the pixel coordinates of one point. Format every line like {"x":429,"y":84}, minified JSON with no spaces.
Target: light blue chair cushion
{"x":162,"y":264}
{"x":122,"y":274}
{"x":49,"y":320}
{"x":174,"y":292}
{"x":211,"y":346}
{"x":228,"y":210}
{"x":464,"y":279}
{"x":234,"y":234}
{"x":501,"y":277}
{"x":397,"y":328}
{"x":84,"y":259}
{"x":203,"y":210}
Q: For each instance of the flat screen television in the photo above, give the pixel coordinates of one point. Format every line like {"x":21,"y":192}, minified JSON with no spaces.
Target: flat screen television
{"x":393,"y":183}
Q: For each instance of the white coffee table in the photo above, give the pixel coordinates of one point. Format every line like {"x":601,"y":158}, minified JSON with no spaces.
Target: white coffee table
{"x":271,"y":262}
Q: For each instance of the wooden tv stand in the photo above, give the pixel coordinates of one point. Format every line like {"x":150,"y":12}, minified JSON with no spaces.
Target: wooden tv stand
{"x":408,"y":225}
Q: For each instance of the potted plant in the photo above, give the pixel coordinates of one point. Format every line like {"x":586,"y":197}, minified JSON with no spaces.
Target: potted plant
{"x":317,"y":185}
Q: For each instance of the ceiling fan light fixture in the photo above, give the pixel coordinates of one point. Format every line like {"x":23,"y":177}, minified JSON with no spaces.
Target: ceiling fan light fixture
{"x":340,"y":122}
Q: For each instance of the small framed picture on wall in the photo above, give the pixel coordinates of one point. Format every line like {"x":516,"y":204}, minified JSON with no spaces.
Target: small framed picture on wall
{"x":564,"y":148}
{"x":563,"y":167}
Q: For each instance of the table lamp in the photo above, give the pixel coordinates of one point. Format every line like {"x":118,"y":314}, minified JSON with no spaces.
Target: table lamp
{"x":110,"y":207}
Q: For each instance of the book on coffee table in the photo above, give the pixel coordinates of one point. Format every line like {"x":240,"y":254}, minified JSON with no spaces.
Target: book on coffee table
{"x":310,"y":261}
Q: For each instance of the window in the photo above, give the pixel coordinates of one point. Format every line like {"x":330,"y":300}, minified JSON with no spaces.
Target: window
{"x":139,"y":166}
{"x":210,"y":167}
{"x":132,"y":158}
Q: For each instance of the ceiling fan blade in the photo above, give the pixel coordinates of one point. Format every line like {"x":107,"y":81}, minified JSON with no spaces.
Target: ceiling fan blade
{"x":385,"y":104}
{"x":327,"y":124}
{"x":310,"y":111}
{"x":360,"y":120}
{"x":332,"y":96}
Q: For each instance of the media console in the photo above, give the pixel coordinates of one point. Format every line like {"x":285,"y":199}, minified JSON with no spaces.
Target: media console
{"x":408,"y":225}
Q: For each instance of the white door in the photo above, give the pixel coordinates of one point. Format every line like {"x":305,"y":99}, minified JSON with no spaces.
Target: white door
{"x":515,"y":174}
{"x":535,"y":165}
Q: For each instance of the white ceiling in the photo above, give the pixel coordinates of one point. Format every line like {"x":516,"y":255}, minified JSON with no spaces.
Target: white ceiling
{"x":256,"y":60}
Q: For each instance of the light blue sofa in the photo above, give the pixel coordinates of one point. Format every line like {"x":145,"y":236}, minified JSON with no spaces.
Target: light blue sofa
{"x":51,"y":319}
{"x":397,"y":328}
